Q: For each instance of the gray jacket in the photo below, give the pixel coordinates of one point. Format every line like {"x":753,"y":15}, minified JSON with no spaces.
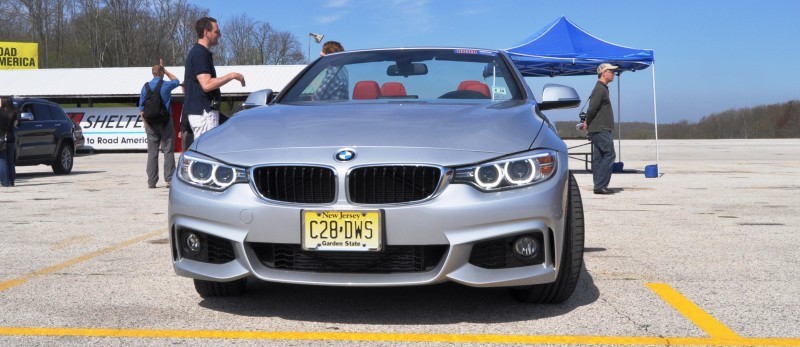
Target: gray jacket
{"x":599,"y":115}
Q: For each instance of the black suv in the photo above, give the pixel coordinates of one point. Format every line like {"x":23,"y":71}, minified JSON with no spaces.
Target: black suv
{"x":45,"y":135}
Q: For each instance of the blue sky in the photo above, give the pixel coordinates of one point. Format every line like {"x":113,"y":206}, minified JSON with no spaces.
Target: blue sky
{"x":710,"y":56}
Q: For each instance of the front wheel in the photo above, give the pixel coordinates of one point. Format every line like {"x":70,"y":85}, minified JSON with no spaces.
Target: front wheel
{"x":64,"y":159}
{"x":571,"y":257}
{"x":210,"y":289}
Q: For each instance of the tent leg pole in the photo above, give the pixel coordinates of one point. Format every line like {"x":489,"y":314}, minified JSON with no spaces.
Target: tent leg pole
{"x":619,"y":119}
{"x":655,"y":109}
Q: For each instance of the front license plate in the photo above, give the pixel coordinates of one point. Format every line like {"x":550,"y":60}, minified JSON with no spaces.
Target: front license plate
{"x":342,"y":230}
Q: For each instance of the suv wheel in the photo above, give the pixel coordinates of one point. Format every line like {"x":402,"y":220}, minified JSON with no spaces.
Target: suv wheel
{"x":210,"y":289}
{"x":64,"y":159}
{"x":571,"y":257}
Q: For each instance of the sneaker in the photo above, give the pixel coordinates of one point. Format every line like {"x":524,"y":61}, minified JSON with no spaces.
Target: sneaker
{"x":168,"y":185}
{"x":151,"y":186}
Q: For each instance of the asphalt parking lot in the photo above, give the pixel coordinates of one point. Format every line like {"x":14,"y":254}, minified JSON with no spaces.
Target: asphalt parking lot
{"x":705,"y":254}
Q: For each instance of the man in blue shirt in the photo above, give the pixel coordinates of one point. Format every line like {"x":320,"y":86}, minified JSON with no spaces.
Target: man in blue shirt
{"x":160,"y":134}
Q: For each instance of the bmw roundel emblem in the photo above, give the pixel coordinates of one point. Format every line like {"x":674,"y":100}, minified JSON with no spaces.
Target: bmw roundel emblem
{"x":346,"y":154}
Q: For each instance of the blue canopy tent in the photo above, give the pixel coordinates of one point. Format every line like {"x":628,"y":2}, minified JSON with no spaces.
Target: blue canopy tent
{"x":564,"y":49}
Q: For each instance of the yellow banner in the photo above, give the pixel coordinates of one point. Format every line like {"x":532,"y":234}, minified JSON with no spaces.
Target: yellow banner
{"x":19,"y":55}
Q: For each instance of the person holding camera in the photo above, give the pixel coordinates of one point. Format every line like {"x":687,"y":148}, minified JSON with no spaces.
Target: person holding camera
{"x":335,"y":83}
{"x":201,"y":103}
{"x":600,"y":123}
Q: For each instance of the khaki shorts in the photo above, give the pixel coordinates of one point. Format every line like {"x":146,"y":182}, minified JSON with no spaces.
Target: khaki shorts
{"x":201,"y":123}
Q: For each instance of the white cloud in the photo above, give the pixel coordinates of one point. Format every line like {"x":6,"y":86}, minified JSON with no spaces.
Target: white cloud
{"x":416,"y":15}
{"x":470,"y":12}
{"x":330,"y":18}
{"x":337,"y":3}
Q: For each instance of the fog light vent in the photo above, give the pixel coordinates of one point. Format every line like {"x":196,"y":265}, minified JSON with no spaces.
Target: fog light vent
{"x":509,"y":252}
{"x":199,"y":246}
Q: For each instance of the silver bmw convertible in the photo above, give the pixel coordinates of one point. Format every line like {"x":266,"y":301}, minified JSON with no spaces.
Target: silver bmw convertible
{"x":385,"y":167}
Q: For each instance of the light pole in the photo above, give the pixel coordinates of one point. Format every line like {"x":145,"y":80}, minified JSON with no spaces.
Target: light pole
{"x":317,"y":39}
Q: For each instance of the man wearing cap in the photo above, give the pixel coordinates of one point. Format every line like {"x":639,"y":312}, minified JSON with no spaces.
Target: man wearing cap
{"x":599,"y":123}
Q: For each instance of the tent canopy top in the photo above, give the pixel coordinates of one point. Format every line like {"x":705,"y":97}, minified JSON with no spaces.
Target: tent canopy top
{"x":564,"y":49}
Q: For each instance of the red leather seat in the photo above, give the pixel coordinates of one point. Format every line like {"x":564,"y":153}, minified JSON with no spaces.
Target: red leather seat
{"x":393,"y":89}
{"x":475,"y":86}
{"x":365,"y":90}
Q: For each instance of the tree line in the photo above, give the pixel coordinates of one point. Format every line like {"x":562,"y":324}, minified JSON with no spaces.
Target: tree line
{"x":130,"y":33}
{"x":133,"y":33}
{"x":764,"y":121}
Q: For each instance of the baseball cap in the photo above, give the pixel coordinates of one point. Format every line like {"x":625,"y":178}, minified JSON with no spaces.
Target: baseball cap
{"x":606,"y":66}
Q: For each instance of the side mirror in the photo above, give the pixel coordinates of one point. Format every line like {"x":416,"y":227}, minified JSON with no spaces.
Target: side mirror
{"x":26,"y":116}
{"x":556,"y":96}
{"x":258,"y":98}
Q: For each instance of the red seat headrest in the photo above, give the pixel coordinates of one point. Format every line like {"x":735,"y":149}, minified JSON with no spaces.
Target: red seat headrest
{"x":393,"y":89}
{"x":475,"y":86}
{"x":365,"y":90}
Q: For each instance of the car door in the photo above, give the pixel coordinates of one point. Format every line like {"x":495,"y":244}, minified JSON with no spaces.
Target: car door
{"x":37,"y":136}
{"x":64,"y":126}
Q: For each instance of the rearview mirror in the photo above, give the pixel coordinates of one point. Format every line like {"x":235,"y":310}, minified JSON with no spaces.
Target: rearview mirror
{"x":406,"y":70}
{"x":556,"y":96}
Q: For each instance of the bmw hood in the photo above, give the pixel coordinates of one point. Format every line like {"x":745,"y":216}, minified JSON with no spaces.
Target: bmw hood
{"x":485,"y":130}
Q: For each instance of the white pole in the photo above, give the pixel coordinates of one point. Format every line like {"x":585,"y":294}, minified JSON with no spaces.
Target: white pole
{"x":655,"y":109}
{"x":619,"y":119}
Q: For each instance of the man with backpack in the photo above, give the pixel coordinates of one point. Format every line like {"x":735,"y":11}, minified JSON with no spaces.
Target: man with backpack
{"x":154,"y":108}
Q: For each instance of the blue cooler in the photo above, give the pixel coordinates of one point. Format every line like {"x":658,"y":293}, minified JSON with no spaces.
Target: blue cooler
{"x":651,"y":171}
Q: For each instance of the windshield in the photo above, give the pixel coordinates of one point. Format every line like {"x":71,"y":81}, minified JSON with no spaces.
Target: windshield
{"x":406,"y":74}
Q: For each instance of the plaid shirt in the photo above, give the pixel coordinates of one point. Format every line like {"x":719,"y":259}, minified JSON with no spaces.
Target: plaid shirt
{"x":334,"y":86}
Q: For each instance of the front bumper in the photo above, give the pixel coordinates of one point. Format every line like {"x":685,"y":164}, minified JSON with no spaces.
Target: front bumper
{"x":458,"y":219}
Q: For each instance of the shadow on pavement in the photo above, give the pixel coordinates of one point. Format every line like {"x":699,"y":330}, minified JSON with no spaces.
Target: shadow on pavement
{"x":446,"y":303}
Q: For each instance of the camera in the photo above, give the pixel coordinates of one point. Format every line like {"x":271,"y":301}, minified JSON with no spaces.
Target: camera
{"x":215,"y":105}
{"x":582,"y":116}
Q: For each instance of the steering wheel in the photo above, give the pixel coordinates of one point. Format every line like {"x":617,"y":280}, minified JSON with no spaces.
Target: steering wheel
{"x":463,"y":94}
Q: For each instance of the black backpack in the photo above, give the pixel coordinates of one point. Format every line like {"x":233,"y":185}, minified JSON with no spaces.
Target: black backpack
{"x":154,"y":109}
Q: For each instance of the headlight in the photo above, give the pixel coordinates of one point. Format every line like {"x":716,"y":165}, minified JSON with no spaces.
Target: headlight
{"x":209,"y":174}
{"x":509,"y":173}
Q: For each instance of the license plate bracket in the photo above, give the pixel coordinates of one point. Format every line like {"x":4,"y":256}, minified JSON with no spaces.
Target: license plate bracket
{"x":342,"y":230}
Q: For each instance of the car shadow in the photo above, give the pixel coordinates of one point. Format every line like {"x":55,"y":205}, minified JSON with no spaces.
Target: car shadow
{"x":28,"y":179}
{"x":48,"y":174}
{"x":445,"y":303}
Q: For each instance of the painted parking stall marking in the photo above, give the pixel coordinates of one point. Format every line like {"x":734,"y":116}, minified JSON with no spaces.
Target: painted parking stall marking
{"x":51,"y":269}
{"x":719,"y":334}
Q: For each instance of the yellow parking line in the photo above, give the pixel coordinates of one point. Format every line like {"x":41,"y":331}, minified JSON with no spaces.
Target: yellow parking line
{"x":400,"y":337}
{"x":694,"y":313}
{"x":51,"y":269}
{"x":720,"y":335}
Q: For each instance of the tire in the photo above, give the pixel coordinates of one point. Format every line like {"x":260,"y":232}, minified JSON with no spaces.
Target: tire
{"x":65,"y":158}
{"x":571,"y":260}
{"x":209,"y":289}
